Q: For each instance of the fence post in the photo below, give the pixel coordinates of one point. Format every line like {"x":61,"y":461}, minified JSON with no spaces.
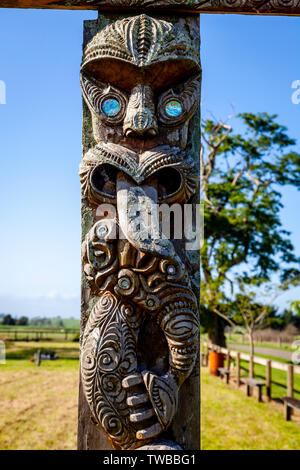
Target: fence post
{"x":202,"y":358}
{"x":206,"y":355}
{"x":290,"y":380}
{"x":269,"y":378}
{"x":38,"y":358}
{"x":289,"y":390}
{"x":228,"y":359}
{"x":238,"y":370}
{"x":251,"y":367}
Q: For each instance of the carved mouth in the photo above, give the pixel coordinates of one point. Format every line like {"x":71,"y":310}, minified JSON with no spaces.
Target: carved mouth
{"x":174,"y":170}
{"x":103,"y":180}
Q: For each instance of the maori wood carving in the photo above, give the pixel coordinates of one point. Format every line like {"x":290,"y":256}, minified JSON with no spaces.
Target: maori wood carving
{"x":255,"y":7}
{"x":140,"y":79}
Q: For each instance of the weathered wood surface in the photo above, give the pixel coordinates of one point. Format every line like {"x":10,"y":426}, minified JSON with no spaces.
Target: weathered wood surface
{"x":254,"y":382}
{"x":185,"y":429}
{"x":223,"y":371}
{"x":292,"y":402}
{"x":254,"y":7}
{"x":251,"y":383}
{"x":290,"y":380}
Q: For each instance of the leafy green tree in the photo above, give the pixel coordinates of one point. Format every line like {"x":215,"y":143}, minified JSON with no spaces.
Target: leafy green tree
{"x":252,"y":305}
{"x":8,"y":320}
{"x":22,"y":321}
{"x":275,"y":320}
{"x":241,"y":177}
{"x":291,"y":315}
{"x":295,"y":308}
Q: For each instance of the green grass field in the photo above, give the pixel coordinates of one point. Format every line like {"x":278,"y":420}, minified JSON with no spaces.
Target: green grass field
{"x":55,"y":322}
{"x":35,"y":335}
{"x":38,"y":405}
{"x":231,"y":421}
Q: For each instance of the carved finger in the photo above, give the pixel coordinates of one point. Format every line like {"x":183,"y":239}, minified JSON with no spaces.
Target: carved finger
{"x":141,"y":412}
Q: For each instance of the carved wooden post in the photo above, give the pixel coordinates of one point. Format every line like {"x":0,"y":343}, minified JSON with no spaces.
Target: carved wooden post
{"x":140,"y":80}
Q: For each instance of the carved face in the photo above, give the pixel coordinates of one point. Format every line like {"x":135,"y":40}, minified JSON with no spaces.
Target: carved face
{"x":143,"y":117}
{"x":140,"y":78}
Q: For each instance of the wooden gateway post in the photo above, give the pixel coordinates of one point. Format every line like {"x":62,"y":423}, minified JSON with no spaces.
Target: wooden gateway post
{"x":140,"y":80}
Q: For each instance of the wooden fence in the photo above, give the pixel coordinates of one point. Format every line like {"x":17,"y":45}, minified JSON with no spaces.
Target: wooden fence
{"x":290,"y":369}
{"x":35,"y":334}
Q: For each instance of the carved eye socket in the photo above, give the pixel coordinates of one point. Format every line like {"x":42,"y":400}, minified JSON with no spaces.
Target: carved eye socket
{"x":173,"y":108}
{"x":111,"y":107}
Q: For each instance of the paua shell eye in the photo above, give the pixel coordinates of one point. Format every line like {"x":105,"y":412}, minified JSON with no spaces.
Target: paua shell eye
{"x":173,"y":108}
{"x":111,"y":107}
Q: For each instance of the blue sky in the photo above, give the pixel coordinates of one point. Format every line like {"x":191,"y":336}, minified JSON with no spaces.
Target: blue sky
{"x":248,"y":63}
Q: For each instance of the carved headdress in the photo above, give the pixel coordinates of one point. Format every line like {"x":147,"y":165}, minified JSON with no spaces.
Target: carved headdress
{"x":141,"y":41}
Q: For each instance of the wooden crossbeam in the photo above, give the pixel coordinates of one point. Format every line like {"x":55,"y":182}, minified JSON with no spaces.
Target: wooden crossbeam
{"x":254,"y":7}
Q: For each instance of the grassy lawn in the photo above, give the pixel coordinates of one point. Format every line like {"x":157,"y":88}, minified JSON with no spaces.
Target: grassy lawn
{"x":38,"y":405}
{"x":231,"y":421}
{"x":35,"y":336}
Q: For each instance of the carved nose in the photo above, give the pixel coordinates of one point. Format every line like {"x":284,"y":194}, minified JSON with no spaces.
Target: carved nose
{"x":142,"y":124}
{"x":140,"y":119}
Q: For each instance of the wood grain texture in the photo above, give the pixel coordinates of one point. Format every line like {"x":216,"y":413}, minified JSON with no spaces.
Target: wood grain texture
{"x":254,"y":7}
{"x":156,"y":337}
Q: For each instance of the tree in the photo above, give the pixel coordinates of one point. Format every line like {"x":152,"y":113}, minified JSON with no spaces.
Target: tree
{"x":241,"y":176}
{"x":291,"y":316}
{"x":22,"y":321}
{"x":8,"y":320}
{"x":295,"y":308}
{"x":253,"y":304}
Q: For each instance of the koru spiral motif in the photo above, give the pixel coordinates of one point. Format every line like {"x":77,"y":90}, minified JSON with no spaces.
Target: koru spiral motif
{"x":140,"y":78}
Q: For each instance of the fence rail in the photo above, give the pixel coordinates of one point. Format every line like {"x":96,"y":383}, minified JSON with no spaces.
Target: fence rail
{"x":34,"y":334}
{"x":290,"y":403}
{"x":256,"y":359}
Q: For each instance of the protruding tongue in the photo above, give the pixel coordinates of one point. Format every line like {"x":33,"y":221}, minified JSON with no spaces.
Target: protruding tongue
{"x":138,"y":217}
